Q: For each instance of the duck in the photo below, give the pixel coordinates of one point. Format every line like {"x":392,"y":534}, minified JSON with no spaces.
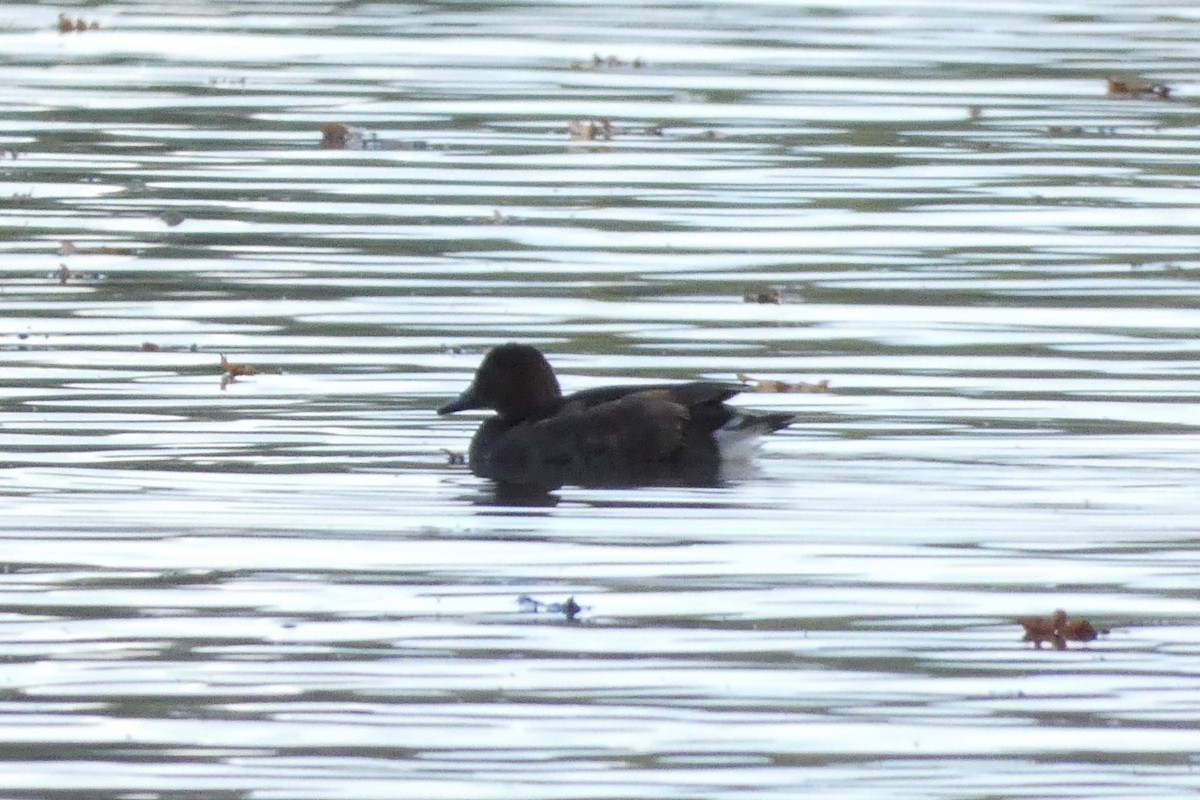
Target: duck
{"x":610,"y":436}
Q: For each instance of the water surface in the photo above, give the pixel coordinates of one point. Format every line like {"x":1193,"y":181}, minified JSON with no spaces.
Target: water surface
{"x":280,"y":586}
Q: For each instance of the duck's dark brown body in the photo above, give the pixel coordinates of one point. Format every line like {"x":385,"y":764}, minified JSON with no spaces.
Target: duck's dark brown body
{"x":665,"y":434}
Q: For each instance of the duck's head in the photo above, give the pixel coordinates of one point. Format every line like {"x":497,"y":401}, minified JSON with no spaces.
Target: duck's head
{"x":514,"y":380}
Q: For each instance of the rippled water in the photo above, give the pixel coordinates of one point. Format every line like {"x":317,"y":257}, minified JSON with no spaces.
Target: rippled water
{"x":280,"y":587}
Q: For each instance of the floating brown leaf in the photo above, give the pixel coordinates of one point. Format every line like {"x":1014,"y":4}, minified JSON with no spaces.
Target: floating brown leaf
{"x":1078,"y":630}
{"x":1058,"y":629}
{"x":768,"y":386}
{"x":1038,"y":629}
{"x":150,"y":347}
{"x":770,"y":295}
{"x":77,"y":25}
{"x":602,"y":130}
{"x":1079,"y":130}
{"x":336,"y":136}
{"x":339,"y":136}
{"x":236,"y":370}
{"x":1128,"y":86}
{"x":68,"y":248}
{"x":590,"y":130}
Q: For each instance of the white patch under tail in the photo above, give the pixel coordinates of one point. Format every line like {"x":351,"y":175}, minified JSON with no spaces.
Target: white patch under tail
{"x":739,"y":439}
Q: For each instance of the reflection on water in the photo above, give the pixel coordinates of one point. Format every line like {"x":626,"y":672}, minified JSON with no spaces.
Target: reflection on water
{"x":278,"y":585}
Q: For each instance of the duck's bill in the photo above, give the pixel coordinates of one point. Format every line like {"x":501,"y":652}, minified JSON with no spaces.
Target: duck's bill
{"x":464,"y":402}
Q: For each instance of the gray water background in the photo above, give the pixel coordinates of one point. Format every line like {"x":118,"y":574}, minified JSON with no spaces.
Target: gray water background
{"x":281,"y":588}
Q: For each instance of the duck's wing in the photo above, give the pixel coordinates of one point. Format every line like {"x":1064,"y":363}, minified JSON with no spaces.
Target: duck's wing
{"x":703,"y":400}
{"x":689,"y":394}
{"x":624,"y":441}
{"x":643,"y":426}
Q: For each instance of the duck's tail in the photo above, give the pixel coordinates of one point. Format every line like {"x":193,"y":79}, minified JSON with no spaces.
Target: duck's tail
{"x":738,"y":439}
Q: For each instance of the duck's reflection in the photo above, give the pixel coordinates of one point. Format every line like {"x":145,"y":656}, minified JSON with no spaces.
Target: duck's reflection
{"x":518,"y":495}
{"x":611,"y":493}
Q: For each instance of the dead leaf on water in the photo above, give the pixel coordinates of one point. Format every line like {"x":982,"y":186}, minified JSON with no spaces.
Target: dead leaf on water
{"x":77,"y":25}
{"x":603,"y":130}
{"x":339,"y":136}
{"x":69,"y":248}
{"x":1058,"y":629}
{"x":770,"y":295}
{"x":1131,"y":86}
{"x":768,"y":386}
{"x":591,"y":130}
{"x":234,"y":371}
